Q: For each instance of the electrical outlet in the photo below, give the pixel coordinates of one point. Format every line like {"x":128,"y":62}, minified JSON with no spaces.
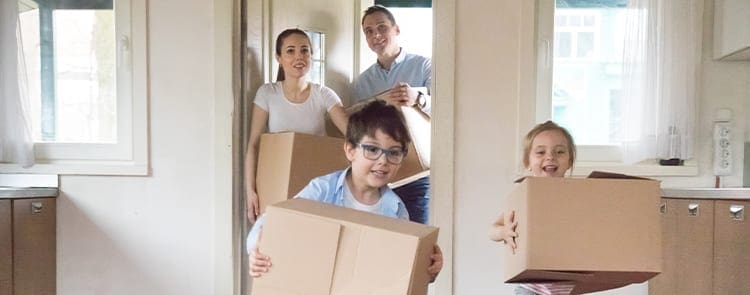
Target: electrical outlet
{"x":722,"y":148}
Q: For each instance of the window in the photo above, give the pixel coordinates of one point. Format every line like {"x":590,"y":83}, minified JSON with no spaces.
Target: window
{"x":318,"y":69}
{"x":584,"y":92}
{"x":608,"y":92}
{"x":86,"y":75}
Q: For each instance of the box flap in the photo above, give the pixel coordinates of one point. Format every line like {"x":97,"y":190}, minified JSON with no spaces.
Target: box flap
{"x":307,"y":254}
{"x":377,"y":263}
{"x":418,"y":123}
{"x":612,"y":175}
{"x":546,"y":276}
{"x":346,"y":215}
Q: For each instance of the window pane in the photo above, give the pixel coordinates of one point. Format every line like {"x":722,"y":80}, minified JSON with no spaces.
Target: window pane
{"x":587,"y":73}
{"x":585,"y":44}
{"x":562,"y":44}
{"x":69,"y":57}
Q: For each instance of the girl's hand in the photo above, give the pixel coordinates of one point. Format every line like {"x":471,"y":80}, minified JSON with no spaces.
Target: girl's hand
{"x":253,"y":207}
{"x":259,"y":263}
{"x":437,"y":263}
{"x":504,"y":230}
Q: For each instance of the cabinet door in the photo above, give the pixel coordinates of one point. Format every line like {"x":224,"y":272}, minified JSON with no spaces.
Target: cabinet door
{"x":694,"y":247}
{"x":666,"y":282}
{"x":688,"y":248}
{"x":34,"y":261}
{"x":731,"y":244}
{"x":6,"y":246}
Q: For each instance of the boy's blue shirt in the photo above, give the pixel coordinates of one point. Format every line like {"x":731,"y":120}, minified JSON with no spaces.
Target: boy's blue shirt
{"x":330,"y":189}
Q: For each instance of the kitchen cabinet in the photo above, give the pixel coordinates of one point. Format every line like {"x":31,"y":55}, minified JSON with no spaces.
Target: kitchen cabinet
{"x":731,"y":243}
{"x":703,"y":242}
{"x":731,"y":34}
{"x":27,"y":246}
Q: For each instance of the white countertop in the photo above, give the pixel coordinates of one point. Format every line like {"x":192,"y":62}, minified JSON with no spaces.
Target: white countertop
{"x":708,"y":193}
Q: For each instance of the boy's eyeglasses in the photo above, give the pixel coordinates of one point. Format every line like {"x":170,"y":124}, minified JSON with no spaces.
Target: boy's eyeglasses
{"x":393,"y":156}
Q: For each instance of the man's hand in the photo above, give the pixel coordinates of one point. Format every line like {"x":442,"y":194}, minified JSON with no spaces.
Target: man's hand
{"x":402,"y":95}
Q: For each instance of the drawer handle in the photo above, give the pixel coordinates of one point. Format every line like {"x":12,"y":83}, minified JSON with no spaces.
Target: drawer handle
{"x":663,"y":208}
{"x":693,"y":209}
{"x":36,"y":207}
{"x":737,"y":212}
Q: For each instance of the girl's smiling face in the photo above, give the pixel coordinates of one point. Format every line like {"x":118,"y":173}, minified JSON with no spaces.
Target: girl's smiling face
{"x":549,"y":155}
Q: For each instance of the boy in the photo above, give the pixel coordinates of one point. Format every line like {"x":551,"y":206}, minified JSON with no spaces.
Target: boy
{"x":376,"y":143}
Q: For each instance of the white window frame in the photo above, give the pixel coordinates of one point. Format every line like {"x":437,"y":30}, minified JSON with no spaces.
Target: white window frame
{"x":589,"y":157}
{"x":129,"y":156}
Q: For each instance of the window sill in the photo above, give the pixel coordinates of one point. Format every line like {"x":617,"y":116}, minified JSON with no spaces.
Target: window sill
{"x":648,"y":168}
{"x":81,"y":168}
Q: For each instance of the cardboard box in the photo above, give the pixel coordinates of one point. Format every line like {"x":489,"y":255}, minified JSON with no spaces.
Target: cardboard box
{"x":317,"y":248}
{"x":600,"y":233}
{"x":287,"y":161}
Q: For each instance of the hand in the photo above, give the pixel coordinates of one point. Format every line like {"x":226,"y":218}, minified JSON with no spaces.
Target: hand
{"x":402,"y":95}
{"x":253,"y":207}
{"x":504,"y":229}
{"x":437,"y":263}
{"x":259,"y":263}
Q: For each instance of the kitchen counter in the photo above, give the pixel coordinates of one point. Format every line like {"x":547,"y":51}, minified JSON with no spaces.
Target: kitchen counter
{"x":21,"y":186}
{"x":708,"y":193}
{"x":27,"y":192}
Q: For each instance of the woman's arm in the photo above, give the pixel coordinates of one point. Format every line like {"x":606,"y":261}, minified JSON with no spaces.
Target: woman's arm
{"x":258,"y":124}
{"x":339,"y":118}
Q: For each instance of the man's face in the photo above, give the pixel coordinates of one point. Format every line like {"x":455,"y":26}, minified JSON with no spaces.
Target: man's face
{"x":380,"y":33}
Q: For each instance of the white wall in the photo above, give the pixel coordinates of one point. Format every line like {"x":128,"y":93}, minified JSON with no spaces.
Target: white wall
{"x":494,"y":108}
{"x":159,"y":234}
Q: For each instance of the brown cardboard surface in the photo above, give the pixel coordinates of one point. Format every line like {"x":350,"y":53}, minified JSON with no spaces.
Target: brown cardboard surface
{"x":597,"y":232}
{"x":316,"y":245}
{"x":287,"y":162}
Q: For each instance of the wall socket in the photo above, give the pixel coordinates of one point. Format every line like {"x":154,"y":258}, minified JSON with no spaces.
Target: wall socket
{"x":722,"y":148}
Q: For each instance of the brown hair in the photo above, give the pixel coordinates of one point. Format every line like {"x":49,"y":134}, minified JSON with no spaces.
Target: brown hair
{"x":377,"y":115}
{"x":378,"y":8}
{"x":547,"y":126}
{"x":280,"y":76}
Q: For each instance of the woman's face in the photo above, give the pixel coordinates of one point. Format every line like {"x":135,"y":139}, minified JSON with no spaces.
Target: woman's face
{"x":295,"y":56}
{"x":380,"y":33}
{"x":549,"y":155}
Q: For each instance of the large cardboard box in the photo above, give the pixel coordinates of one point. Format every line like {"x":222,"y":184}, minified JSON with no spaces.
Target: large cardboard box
{"x":597,"y":232}
{"x":317,"y":248}
{"x":287,"y":162}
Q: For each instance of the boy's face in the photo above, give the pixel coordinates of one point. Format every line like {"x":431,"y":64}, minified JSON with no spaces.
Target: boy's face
{"x":549,"y":156}
{"x":367,"y":173}
{"x":380,"y":33}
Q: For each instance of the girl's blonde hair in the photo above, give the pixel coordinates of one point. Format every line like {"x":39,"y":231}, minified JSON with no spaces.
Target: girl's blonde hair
{"x":547,"y":126}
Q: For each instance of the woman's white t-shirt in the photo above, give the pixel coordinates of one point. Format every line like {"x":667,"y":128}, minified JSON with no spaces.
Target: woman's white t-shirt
{"x":307,"y":117}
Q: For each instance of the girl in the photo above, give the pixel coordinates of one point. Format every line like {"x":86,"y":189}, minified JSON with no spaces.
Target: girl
{"x":289,"y":104}
{"x":548,"y":151}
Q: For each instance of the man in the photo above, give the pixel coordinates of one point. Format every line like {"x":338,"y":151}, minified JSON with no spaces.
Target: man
{"x":397,"y":74}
